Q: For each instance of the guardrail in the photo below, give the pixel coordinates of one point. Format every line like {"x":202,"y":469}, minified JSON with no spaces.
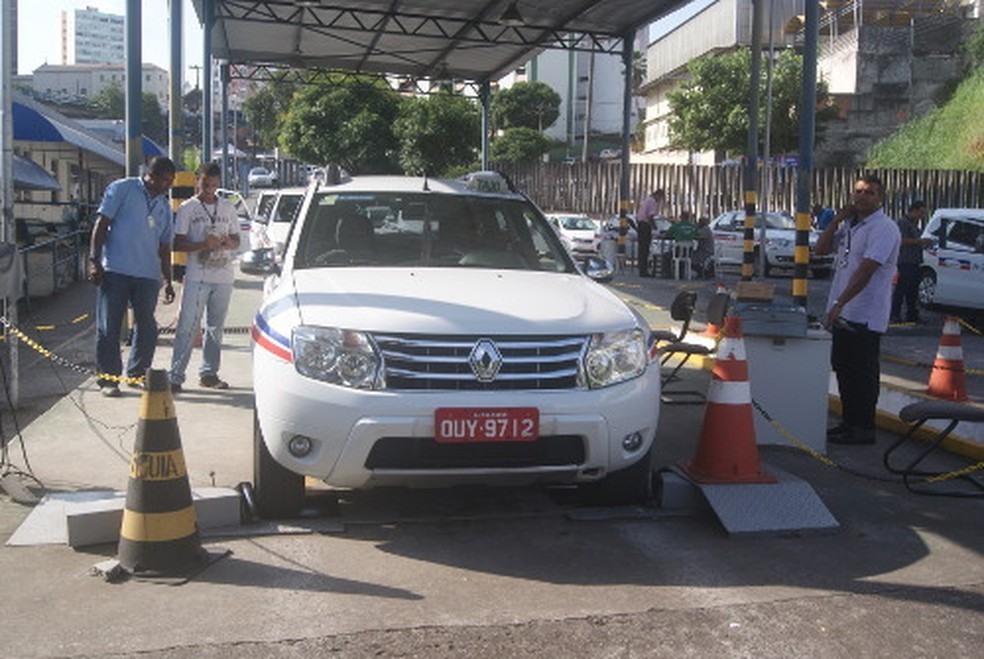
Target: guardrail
{"x":52,"y":264}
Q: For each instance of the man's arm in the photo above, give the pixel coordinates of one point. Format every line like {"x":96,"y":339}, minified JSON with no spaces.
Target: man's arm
{"x":855,"y":285}
{"x":100,"y":230}
{"x":825,"y":243}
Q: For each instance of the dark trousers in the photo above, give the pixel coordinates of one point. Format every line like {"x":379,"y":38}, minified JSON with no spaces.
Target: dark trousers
{"x":645,"y":236}
{"x":854,"y":358}
{"x":907,"y":291}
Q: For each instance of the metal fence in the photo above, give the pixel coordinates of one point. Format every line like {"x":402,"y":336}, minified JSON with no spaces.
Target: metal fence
{"x":593,"y":188}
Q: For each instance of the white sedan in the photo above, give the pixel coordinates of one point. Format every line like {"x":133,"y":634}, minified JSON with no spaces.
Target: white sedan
{"x":577,"y":232}
{"x":780,"y":242}
{"x":953,"y":266}
{"x":261,"y":177}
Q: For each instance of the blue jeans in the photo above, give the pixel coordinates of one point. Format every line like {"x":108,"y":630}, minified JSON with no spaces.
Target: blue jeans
{"x":213,"y":300}
{"x":112,"y":297}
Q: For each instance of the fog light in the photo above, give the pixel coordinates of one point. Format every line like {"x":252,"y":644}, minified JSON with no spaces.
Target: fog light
{"x":632,"y":441}
{"x":299,"y":446}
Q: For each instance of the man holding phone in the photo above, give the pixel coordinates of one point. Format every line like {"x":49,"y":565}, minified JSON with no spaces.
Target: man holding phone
{"x":866,"y":241}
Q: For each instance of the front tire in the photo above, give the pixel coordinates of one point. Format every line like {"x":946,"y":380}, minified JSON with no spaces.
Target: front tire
{"x":279,"y":491}
{"x":632,"y":485}
{"x":927,"y":288}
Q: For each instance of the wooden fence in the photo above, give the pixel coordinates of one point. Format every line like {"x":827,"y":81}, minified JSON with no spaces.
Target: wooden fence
{"x":593,"y":188}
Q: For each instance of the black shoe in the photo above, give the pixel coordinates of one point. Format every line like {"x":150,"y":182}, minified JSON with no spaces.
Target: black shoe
{"x":175,"y":388}
{"x":213,"y":382}
{"x":854,"y":437}
{"x":840,"y":430}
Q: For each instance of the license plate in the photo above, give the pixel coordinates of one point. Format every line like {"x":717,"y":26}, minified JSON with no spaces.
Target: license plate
{"x":486,"y":424}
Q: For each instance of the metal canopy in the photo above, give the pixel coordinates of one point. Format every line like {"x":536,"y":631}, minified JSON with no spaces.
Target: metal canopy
{"x":472,"y":40}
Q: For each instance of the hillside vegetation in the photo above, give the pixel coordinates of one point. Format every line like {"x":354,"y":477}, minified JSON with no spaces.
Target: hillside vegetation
{"x":949,"y":137}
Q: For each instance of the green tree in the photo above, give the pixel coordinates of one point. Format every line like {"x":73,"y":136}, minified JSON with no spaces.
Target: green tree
{"x":265,"y":108}
{"x":710,"y":111}
{"x":526,"y":104}
{"x":347,"y":121}
{"x":110,"y":103}
{"x":519,"y":145}
{"x":437,"y":133}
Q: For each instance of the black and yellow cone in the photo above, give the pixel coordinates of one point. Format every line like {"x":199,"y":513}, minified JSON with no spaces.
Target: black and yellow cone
{"x":159,"y":533}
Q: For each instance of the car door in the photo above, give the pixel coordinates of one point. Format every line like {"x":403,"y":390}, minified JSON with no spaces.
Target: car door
{"x":728,"y":240}
{"x":961,"y":264}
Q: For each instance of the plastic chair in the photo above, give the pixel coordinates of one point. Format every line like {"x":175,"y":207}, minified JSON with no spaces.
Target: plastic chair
{"x":717,"y":309}
{"x":683,"y":251}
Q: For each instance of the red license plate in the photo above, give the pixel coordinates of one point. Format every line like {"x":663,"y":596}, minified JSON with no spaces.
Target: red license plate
{"x":486,"y":424}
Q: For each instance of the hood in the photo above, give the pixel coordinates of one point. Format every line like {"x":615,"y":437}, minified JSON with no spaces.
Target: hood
{"x":457,"y":301}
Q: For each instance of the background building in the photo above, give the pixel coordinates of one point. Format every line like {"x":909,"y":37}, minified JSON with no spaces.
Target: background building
{"x":76,"y":83}
{"x":89,"y":36}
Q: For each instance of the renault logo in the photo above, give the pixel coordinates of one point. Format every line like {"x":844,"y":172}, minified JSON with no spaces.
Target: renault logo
{"x":485,"y":360}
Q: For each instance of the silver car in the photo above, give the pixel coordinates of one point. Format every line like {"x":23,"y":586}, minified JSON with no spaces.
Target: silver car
{"x":780,"y":242}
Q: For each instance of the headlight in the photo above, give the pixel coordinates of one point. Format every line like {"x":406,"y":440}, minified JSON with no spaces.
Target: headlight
{"x":615,"y":357}
{"x":780,"y":243}
{"x":341,"y":357}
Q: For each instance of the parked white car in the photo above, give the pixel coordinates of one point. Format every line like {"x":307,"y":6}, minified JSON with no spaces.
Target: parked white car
{"x":447,"y":339}
{"x":577,"y":232}
{"x":261,"y":177}
{"x":780,"y":242}
{"x":953,"y":266}
{"x":275,"y":213}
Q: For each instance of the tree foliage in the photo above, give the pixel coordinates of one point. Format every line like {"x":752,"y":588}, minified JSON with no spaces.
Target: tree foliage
{"x":345,"y":121}
{"x":437,"y":133}
{"x":710,"y":111}
{"x":265,"y":107}
{"x":526,"y":105}
{"x":110,"y":103}
{"x":519,"y":145}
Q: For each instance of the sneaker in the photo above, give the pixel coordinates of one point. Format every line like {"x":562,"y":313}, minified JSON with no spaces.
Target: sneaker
{"x":213,"y":382}
{"x":110,"y":391}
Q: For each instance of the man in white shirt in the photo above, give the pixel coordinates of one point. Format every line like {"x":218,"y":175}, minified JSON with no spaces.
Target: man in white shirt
{"x":208,"y":229}
{"x":867,"y":244}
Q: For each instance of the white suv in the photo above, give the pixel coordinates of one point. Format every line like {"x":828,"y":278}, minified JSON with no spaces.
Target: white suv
{"x":953,"y":266}
{"x":450,"y":339}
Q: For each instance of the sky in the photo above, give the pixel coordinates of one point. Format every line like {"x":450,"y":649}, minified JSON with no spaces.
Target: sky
{"x":39,"y":32}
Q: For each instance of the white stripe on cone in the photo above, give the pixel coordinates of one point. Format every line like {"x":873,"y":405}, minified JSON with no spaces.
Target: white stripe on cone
{"x":729,"y":393}
{"x":731,"y":348}
{"x":953,"y":353}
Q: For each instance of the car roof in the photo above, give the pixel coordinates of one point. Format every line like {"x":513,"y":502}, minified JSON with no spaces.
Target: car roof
{"x":976,"y":213}
{"x":378,"y":183}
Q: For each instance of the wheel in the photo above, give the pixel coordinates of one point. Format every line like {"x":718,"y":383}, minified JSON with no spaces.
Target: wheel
{"x":279,"y":491}
{"x":632,"y":485}
{"x":927,"y":288}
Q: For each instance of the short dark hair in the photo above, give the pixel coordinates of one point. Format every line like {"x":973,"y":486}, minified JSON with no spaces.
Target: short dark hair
{"x":161,"y":165}
{"x":872,"y":179}
{"x":918,"y":204}
{"x":209,"y":169}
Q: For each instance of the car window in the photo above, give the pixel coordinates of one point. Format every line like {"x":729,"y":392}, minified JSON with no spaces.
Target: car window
{"x":963,"y":235}
{"x":578,"y":224}
{"x":287,"y":208}
{"x":264,"y":204}
{"x":427,"y":230}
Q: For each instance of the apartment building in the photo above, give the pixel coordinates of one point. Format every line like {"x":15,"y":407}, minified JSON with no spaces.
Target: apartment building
{"x":88,"y":36}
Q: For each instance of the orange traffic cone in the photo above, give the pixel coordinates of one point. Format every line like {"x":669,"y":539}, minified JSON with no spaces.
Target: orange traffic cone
{"x":159,"y":532}
{"x":947,"y":379}
{"x":726,"y":450}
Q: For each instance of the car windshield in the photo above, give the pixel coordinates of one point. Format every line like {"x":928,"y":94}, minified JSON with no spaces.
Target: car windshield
{"x":774,"y":221}
{"x":578,"y":223}
{"x":419,"y":229}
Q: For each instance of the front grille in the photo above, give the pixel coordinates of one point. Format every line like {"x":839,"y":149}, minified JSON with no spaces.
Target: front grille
{"x":425,"y":453}
{"x":440,"y":363}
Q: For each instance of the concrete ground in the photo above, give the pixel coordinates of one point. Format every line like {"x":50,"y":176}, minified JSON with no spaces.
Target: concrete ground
{"x":479,"y":571}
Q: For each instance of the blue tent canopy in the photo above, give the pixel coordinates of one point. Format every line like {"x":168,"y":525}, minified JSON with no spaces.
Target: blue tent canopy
{"x":29,"y":175}
{"x":35,"y":123}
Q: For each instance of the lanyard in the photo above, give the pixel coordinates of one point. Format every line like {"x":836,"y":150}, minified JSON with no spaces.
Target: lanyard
{"x":211,"y":215}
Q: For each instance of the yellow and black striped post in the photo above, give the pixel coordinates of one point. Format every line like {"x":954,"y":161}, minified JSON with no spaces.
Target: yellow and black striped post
{"x":183,"y":188}
{"x":159,"y":533}
{"x":748,"y":246}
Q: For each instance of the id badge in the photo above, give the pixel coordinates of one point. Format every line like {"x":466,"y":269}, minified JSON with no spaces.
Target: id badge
{"x":150,"y":221}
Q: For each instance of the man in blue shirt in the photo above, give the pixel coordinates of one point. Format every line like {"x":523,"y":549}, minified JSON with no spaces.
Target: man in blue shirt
{"x":130,"y":252}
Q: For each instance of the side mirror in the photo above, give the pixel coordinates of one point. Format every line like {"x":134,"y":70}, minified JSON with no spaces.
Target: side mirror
{"x":597,"y":268}
{"x":259,"y":262}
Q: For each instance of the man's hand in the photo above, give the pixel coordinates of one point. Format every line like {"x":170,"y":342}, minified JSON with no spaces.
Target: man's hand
{"x":95,"y":272}
{"x":168,"y":293}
